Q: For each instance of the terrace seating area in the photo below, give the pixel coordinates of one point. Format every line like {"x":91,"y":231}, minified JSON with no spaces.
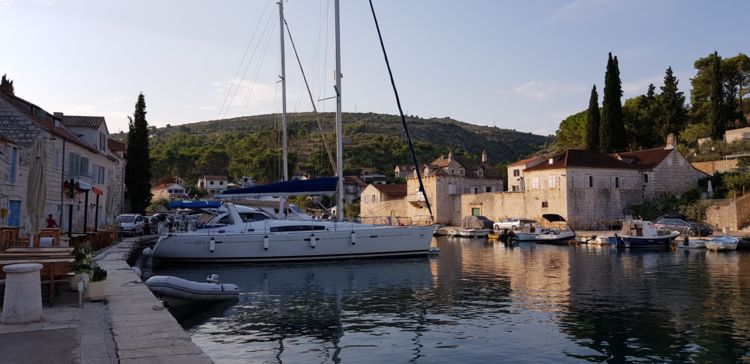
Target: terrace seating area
{"x":53,"y":250}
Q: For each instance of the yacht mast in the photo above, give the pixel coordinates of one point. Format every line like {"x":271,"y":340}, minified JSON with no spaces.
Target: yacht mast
{"x":339,"y":136}
{"x":283,"y":94}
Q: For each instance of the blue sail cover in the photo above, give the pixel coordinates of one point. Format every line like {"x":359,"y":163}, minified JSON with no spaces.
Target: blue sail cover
{"x":191,"y":204}
{"x":315,"y":186}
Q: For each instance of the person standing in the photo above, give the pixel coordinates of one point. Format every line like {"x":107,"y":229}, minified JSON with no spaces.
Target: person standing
{"x":51,"y":223}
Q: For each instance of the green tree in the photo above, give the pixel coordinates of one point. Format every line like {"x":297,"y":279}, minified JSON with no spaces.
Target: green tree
{"x":138,"y":167}
{"x":6,"y":85}
{"x":612,"y":129}
{"x":592,"y":121}
{"x":673,"y":113}
{"x":571,"y":134}
{"x":735,"y":76}
{"x":717,"y":115}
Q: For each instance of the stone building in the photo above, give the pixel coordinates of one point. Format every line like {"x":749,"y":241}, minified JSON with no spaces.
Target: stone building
{"x":403,"y":170}
{"x":382,"y":200}
{"x":353,"y":186}
{"x":515,"y":173}
{"x":84,"y":166}
{"x":213,"y":184}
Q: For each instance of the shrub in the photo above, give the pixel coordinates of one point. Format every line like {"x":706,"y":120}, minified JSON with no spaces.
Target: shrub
{"x":98,"y":274}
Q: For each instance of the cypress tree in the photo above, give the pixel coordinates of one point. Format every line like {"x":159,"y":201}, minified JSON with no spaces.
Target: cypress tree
{"x":673,"y":114}
{"x":592,"y":121}
{"x":138,"y":167}
{"x":612,"y":136}
{"x":717,"y":116}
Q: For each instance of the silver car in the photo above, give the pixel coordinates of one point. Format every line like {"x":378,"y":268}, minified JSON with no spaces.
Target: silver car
{"x":130,"y":224}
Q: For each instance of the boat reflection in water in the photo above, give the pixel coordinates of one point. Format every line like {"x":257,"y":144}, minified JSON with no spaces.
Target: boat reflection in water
{"x":485,"y":302}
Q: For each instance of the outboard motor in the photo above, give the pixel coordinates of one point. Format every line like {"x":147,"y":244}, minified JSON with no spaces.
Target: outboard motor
{"x":213,"y":278}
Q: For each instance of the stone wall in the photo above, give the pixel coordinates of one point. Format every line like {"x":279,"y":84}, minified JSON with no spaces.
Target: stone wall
{"x":673,"y":175}
{"x":444,"y":193}
{"x":731,"y":213}
{"x":384,"y":206}
{"x":712,"y":167}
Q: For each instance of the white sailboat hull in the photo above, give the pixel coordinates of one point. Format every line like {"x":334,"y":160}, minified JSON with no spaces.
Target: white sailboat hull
{"x":343,"y":243}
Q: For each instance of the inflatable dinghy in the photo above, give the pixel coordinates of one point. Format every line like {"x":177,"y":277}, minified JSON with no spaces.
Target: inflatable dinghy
{"x":176,"y":291}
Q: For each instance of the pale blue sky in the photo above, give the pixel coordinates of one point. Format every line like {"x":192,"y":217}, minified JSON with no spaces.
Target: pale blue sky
{"x":515,"y":64}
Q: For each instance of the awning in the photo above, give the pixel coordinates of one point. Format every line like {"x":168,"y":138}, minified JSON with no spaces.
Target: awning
{"x":83,"y":186}
{"x":190,"y":204}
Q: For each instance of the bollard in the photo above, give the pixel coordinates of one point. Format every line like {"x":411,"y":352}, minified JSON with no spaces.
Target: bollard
{"x":23,"y":294}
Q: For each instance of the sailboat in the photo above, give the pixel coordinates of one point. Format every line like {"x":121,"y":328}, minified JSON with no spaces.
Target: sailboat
{"x":240,"y":236}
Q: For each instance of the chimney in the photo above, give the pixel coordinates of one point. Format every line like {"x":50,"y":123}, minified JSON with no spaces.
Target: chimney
{"x":671,"y":141}
{"x":484,"y":156}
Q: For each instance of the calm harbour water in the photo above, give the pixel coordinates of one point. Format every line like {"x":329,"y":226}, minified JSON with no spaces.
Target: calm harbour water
{"x":482,"y":302}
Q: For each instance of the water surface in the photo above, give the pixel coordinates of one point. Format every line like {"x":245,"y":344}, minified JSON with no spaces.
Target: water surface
{"x":482,"y":302}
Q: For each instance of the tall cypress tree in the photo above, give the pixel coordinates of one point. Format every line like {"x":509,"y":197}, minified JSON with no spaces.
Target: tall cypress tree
{"x":673,"y":114}
{"x":612,"y":136}
{"x":717,"y":115}
{"x":138,"y":167}
{"x":592,"y":121}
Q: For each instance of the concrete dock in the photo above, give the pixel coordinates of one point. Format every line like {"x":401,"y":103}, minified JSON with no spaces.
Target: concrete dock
{"x":130,"y":327}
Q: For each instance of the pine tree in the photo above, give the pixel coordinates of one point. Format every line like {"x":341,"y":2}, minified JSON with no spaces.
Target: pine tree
{"x":592,"y":121}
{"x":672,"y":116}
{"x":717,"y":115}
{"x":612,"y":136}
{"x":6,"y":85}
{"x":138,"y":167}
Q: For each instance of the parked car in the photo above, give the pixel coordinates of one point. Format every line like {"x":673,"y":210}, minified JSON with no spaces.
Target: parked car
{"x":684,"y":226}
{"x":130,"y":224}
{"x":512,"y":224}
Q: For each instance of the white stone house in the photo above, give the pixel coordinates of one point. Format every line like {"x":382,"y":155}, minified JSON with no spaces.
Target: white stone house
{"x":515,"y":173}
{"x":213,"y":184}
{"x":85,"y":165}
{"x":382,"y":200}
{"x":168,"y":191}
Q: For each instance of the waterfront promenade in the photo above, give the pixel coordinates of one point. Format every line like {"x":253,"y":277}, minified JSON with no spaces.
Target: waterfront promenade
{"x":131,"y":327}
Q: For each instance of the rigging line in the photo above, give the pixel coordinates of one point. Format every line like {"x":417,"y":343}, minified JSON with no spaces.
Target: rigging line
{"x":257,"y":70}
{"x":312,"y":101}
{"x":401,"y":112}
{"x":265,"y":33}
{"x":324,"y":80}
{"x":244,"y":56}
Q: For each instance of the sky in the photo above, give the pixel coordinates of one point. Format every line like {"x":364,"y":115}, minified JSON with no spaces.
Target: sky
{"x":522,"y":65}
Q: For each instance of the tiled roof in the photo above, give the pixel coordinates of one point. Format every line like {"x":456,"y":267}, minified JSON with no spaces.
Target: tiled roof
{"x":354,"y":180}
{"x":644,"y":159}
{"x":581,"y":158}
{"x":116,"y":146}
{"x":45,"y":120}
{"x":523,"y":162}
{"x":391,"y":190}
{"x":76,"y":121}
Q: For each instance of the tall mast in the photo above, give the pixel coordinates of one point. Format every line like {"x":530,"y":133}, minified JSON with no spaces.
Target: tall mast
{"x":339,"y":136}
{"x":283,"y":93}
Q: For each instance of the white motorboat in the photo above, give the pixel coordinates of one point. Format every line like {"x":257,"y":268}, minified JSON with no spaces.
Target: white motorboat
{"x":469,"y":233}
{"x":694,"y":243}
{"x":722,"y":243}
{"x":176,"y":291}
{"x":559,"y":236}
{"x":242,"y":234}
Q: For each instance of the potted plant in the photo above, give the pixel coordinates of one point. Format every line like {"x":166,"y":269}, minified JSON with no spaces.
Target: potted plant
{"x":81,"y":267}
{"x":96,"y":288}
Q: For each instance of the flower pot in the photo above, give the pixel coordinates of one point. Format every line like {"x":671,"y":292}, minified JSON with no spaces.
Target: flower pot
{"x":96,"y":291}
{"x":77,"y":277}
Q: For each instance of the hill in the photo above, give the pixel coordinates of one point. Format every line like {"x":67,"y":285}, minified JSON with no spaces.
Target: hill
{"x":249,"y":145}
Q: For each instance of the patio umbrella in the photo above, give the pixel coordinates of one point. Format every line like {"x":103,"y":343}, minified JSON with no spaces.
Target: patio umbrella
{"x":710,"y":189}
{"x":36,"y":187}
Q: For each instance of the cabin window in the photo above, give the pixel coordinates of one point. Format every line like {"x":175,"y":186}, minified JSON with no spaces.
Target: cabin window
{"x":226,"y":220}
{"x":252,"y":216}
{"x":545,"y":204}
{"x":297,"y":228}
{"x":591,"y":181}
{"x":516,"y":172}
{"x":645,"y":178}
{"x":617,"y":182}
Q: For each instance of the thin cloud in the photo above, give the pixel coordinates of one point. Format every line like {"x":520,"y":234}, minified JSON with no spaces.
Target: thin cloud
{"x":579,"y":9}
{"x":639,"y":87}
{"x":236,"y":97}
{"x":543,"y":90}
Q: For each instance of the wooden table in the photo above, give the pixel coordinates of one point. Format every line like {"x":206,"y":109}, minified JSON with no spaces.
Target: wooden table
{"x":38,"y":255}
{"x":52,"y":268}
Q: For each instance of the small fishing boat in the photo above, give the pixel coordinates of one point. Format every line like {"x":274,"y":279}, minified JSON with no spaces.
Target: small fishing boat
{"x":557,"y":235}
{"x":176,"y":291}
{"x":723,"y":243}
{"x":638,"y":234}
{"x":694,"y":243}
{"x":472,"y":227}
